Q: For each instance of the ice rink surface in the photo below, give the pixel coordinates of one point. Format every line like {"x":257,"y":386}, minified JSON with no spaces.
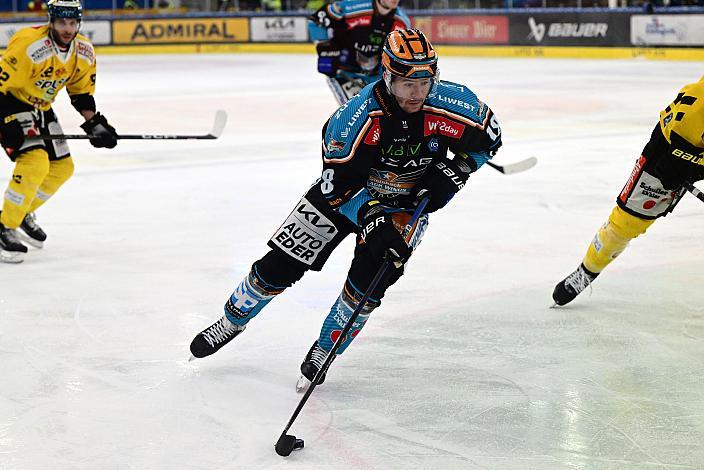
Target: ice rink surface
{"x":463,"y":367}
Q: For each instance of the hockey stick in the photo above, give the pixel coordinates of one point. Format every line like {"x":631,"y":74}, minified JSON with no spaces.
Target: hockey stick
{"x":288,"y":443}
{"x":516,"y":167}
{"x":337,"y":91}
{"x":695,"y":192}
{"x":218,"y":127}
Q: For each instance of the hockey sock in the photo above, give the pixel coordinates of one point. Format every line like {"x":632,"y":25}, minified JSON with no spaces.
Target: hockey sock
{"x":30,"y":170}
{"x":250,"y":297}
{"x":59,"y":172}
{"x":612,"y":238}
{"x":340,"y":313}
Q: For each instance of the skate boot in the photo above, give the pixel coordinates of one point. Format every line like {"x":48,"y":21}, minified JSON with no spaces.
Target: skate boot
{"x":30,"y":232}
{"x":566,"y":290}
{"x":11,"y":249}
{"x":217,"y":335}
{"x":311,"y":365}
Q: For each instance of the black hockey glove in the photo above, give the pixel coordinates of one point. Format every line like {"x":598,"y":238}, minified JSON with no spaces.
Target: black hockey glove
{"x":379,"y":233}
{"x":440,"y":183}
{"x":11,"y":134}
{"x":101,"y":133}
{"x":329,"y":57}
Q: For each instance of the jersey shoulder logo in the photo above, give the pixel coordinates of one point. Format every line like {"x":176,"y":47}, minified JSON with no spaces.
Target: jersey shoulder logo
{"x":40,"y":50}
{"x":85,"y":51}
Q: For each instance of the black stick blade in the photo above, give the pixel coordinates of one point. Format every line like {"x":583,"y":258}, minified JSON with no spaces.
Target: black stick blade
{"x":287,"y":444}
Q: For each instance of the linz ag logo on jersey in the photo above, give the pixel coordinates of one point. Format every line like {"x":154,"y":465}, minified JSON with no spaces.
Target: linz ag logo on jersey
{"x":440,"y":125}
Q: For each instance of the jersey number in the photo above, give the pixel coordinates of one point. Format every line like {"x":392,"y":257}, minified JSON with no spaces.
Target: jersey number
{"x":493,"y":129}
{"x":326,"y":185}
{"x":4,"y":76}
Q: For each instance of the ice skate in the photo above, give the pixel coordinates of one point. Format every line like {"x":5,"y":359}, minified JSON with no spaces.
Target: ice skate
{"x":217,"y":335}
{"x":569,"y":288}
{"x":11,"y":249}
{"x":311,"y":365}
{"x":30,"y":232}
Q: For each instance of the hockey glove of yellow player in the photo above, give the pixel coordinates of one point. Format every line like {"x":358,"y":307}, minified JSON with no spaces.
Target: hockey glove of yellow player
{"x":101,"y":133}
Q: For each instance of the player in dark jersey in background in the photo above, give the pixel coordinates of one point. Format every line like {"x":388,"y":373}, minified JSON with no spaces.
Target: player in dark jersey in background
{"x":349,"y":35}
{"x":673,"y":157}
{"x":383,"y":150}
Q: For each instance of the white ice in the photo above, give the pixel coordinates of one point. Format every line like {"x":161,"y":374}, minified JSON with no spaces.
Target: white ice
{"x":463,"y":367}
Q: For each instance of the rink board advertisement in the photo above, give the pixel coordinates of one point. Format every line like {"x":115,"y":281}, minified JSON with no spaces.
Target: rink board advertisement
{"x":667,"y":30}
{"x":464,"y":29}
{"x":98,"y":32}
{"x":278,"y":29}
{"x":181,"y":30}
{"x":570,"y":29}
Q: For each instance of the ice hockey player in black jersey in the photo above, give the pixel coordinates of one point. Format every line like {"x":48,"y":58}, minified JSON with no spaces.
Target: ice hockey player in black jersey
{"x":348,"y":36}
{"x":402,"y":138}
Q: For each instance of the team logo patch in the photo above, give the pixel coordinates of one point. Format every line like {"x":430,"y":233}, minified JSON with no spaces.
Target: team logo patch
{"x":336,"y":145}
{"x":433,"y":144}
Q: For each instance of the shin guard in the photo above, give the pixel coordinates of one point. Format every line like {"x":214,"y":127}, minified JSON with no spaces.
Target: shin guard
{"x":250,"y":297}
{"x":340,"y":313}
{"x":612,"y":238}
{"x":59,"y":172}
{"x":30,"y":170}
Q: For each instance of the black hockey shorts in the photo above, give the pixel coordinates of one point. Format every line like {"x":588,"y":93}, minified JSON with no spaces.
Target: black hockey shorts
{"x":643,"y":195}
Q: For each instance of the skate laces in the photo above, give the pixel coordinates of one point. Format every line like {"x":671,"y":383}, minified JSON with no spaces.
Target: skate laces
{"x":318,"y":356}
{"x":579,"y":280}
{"x":31,"y":220}
{"x":221,"y":331}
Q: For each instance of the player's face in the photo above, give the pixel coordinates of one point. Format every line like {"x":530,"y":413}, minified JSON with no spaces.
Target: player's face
{"x":389,"y":4}
{"x":64,"y":30}
{"x":410,"y":93}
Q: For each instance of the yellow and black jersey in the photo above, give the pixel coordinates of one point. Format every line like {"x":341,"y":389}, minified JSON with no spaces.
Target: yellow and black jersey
{"x":682,"y":123}
{"x":33,"y":70}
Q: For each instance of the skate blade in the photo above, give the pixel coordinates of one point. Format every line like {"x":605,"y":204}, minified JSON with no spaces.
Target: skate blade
{"x":302,"y":384}
{"x":29,"y":241}
{"x":11,"y":257}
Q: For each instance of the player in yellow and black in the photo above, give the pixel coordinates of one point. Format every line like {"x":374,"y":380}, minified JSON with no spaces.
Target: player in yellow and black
{"x":673,"y":157}
{"x":38,"y":62}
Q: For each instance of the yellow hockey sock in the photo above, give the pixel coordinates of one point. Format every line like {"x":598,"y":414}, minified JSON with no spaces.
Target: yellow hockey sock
{"x":59,"y":172}
{"x":612,"y":238}
{"x":30,"y":170}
